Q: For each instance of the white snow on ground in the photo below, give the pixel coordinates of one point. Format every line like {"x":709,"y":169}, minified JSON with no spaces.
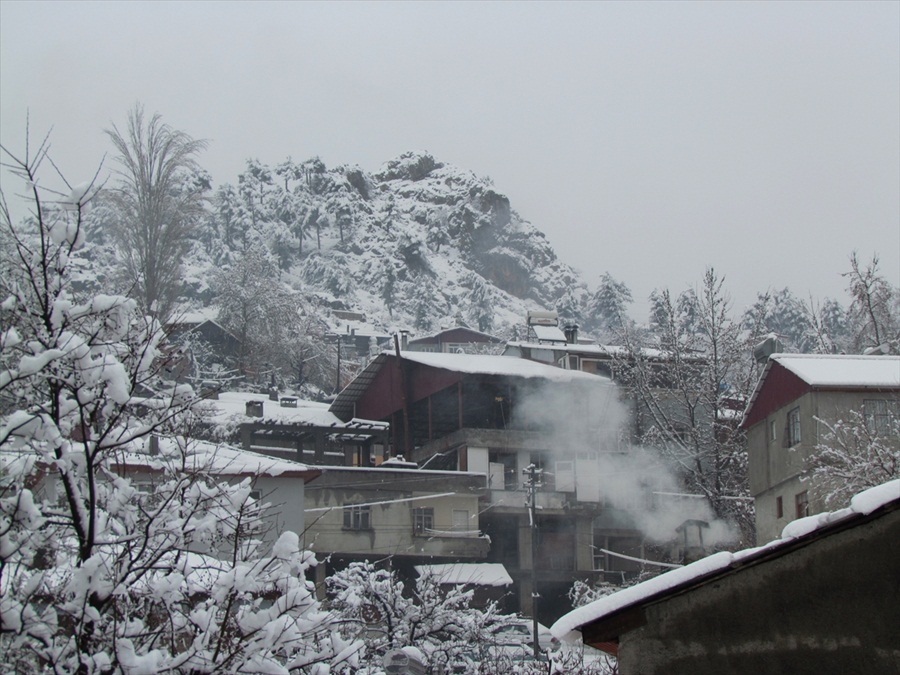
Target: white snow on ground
{"x":567,"y":628}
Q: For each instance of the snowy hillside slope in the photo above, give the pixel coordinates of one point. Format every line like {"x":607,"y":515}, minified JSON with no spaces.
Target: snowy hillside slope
{"x":418,"y":245}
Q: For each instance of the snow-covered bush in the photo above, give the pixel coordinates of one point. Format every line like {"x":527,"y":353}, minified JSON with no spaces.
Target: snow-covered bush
{"x":856,"y":453}
{"x":97,"y":575}
{"x":440,"y":622}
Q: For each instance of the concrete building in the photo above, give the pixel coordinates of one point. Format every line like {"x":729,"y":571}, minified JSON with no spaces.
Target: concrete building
{"x":290,"y":428}
{"x":494,"y":416}
{"x":458,"y":340}
{"x":393,"y":512}
{"x":796,"y":394}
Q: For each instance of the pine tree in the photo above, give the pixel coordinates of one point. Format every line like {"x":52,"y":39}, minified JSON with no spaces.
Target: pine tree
{"x":607,"y":310}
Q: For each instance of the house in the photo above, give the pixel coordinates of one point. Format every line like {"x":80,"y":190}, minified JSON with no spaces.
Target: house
{"x":396,"y":512}
{"x":287,"y":427}
{"x":280,"y":482}
{"x":795,"y":396}
{"x":198,"y":348}
{"x":496,"y":416}
{"x":364,"y":504}
{"x":458,"y":340}
{"x":276,"y":481}
{"x":824,"y":598}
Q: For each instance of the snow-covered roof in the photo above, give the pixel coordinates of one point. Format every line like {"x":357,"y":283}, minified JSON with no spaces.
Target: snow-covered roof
{"x":470,"y":364}
{"x":461,"y":330}
{"x":194,"y":316}
{"x":833,"y":370}
{"x":217,"y":459}
{"x":597,"y":350}
{"x":509,"y":366}
{"x":476,"y":574}
{"x":549,"y":333}
{"x":569,"y":625}
{"x":837,"y":371}
{"x":580,"y":348}
{"x":232,"y":406}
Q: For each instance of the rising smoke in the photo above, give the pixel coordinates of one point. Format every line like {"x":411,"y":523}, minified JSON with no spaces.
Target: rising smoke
{"x":588,"y":423}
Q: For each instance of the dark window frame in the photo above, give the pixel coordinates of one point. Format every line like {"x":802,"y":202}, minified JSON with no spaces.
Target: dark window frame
{"x":794,"y":435}
{"x":423,"y":519}
{"x":880,"y":415}
{"x":357,"y":517}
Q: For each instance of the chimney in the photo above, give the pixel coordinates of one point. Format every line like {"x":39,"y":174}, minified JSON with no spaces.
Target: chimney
{"x":254,"y":409}
{"x":571,"y":331}
{"x":404,"y":340}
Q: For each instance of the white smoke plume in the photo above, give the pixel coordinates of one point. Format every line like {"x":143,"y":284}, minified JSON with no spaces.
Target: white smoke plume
{"x":588,"y":424}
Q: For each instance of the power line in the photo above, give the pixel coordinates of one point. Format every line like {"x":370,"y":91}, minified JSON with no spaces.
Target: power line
{"x":389,"y":501}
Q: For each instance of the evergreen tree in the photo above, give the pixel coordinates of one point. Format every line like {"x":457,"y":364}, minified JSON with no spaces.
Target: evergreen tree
{"x":607,"y":309}
{"x":481,"y":307}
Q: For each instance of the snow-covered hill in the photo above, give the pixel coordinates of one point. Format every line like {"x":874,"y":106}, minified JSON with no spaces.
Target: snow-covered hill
{"x":419,"y":244}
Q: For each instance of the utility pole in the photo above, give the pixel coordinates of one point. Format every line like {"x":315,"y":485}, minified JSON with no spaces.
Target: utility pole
{"x":335,"y":339}
{"x":532,"y":483}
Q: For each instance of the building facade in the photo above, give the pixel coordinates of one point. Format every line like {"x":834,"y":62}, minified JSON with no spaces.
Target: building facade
{"x":796,"y":398}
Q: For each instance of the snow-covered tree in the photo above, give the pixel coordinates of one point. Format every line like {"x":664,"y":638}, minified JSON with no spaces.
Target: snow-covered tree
{"x":786,"y":316}
{"x":481,"y":309}
{"x":607,"y":309}
{"x":874,"y":309}
{"x":159,"y":199}
{"x":690,"y":394}
{"x":827,"y":327}
{"x":440,"y":622}
{"x":856,"y":453}
{"x":96,"y":575}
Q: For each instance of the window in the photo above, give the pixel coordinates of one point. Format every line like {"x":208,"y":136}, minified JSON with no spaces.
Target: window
{"x":357,"y":518}
{"x":460,"y":520}
{"x":779,"y":507}
{"x":801,"y":501}
{"x":793,"y":435}
{"x":423,"y":520}
{"x":503,"y":475}
{"x":773,"y":435}
{"x":881,"y":416}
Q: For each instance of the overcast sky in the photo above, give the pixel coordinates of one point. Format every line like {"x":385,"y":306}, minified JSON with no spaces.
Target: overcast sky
{"x":649,"y":140}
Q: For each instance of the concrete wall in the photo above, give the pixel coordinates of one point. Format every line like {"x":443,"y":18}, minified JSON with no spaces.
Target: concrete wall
{"x":831,"y":606}
{"x":286,"y":495}
{"x":391,"y":523}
